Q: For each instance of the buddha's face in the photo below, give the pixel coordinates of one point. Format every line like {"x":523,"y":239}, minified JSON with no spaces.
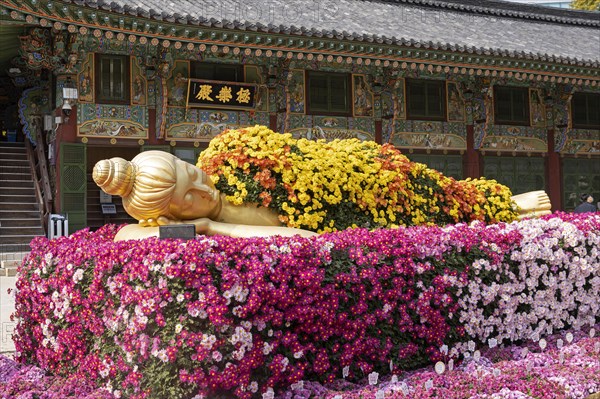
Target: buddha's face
{"x":195,"y":196}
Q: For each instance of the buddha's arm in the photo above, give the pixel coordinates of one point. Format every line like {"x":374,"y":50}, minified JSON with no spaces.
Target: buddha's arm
{"x":209,"y":227}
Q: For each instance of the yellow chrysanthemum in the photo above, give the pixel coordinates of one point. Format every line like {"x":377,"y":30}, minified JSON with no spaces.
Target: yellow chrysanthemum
{"x":326,"y":186}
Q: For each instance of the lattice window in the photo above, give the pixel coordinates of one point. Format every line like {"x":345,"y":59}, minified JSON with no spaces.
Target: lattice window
{"x":426,"y":99}
{"x":520,"y":174}
{"x":586,"y":110}
{"x":328,"y":93}
{"x":112,"y":78}
{"x":580,"y":176}
{"x":511,"y":105}
{"x":449,"y":165}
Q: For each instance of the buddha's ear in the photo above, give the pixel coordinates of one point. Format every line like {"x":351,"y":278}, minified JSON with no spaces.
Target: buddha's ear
{"x":206,"y":195}
{"x":207,"y":191}
{"x":188,"y":199}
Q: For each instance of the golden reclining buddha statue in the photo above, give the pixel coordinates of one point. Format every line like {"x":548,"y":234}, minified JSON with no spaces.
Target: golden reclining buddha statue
{"x":158,"y":189}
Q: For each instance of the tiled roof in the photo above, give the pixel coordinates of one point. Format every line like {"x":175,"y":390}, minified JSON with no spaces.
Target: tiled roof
{"x":486,"y":26}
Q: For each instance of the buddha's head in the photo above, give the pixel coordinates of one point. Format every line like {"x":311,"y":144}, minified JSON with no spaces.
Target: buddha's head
{"x":156,"y":183}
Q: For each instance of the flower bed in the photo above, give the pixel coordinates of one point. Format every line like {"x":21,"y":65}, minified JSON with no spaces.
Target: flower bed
{"x":221,"y":316}
{"x":31,"y":382}
{"x":562,"y":371}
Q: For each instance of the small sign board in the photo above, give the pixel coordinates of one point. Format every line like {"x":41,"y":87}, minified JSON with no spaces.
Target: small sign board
{"x":183,"y":231}
{"x":217,"y":94}
{"x":105,"y":198}
{"x":109,"y":209}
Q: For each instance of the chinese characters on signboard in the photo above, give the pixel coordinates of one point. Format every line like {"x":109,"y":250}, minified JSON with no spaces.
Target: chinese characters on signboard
{"x":210,"y":93}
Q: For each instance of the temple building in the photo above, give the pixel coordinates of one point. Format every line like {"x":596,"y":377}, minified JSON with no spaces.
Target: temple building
{"x":472,"y":88}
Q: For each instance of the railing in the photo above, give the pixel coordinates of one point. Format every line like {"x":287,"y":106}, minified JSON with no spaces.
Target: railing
{"x":39,"y":169}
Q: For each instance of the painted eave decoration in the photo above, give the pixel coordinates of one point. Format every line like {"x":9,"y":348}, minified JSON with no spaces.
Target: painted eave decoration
{"x":508,"y":39}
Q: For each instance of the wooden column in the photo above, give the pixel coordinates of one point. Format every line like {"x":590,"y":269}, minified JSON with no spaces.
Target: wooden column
{"x":378,"y":131}
{"x":472,"y":159}
{"x":273,"y":122}
{"x":67,"y":130}
{"x":553,"y":174}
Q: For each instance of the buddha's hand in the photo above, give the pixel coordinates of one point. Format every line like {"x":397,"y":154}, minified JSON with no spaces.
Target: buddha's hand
{"x":155,"y":222}
{"x":149,"y":222}
{"x":162,"y":221}
{"x":532,"y":204}
{"x":534,"y":214}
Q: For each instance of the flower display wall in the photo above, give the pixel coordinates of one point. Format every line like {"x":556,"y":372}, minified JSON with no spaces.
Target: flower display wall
{"x":225,"y":316}
{"x":329,"y":186}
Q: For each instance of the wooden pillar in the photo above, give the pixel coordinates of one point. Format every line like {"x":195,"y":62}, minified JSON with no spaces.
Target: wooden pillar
{"x":553,"y":174}
{"x":273,"y":122}
{"x":152,"y":140}
{"x":67,"y":130}
{"x":378,"y":131}
{"x":472,"y":159}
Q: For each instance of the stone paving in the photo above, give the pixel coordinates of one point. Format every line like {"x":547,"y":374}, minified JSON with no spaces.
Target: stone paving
{"x":7,"y":307}
{"x":9,"y":262}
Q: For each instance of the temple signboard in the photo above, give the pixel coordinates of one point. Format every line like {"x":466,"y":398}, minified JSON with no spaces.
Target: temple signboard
{"x":217,"y":94}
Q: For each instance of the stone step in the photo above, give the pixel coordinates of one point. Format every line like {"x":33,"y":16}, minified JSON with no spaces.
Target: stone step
{"x":12,"y":144}
{"x":5,"y":149}
{"x":10,"y":157}
{"x":13,"y":152}
{"x":23,"y":239}
{"x":9,"y":177}
{"x":8,"y":256}
{"x":19,"y":214}
{"x":19,"y":206}
{"x":10,"y":261}
{"x":12,"y":198}
{"x":20,"y":230}
{"x":14,"y":162}
{"x":8,"y":271}
{"x":9,"y":251}
{"x":7,"y":184}
{"x":13,"y":168}
{"x":29,"y":191}
{"x":31,"y":222}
